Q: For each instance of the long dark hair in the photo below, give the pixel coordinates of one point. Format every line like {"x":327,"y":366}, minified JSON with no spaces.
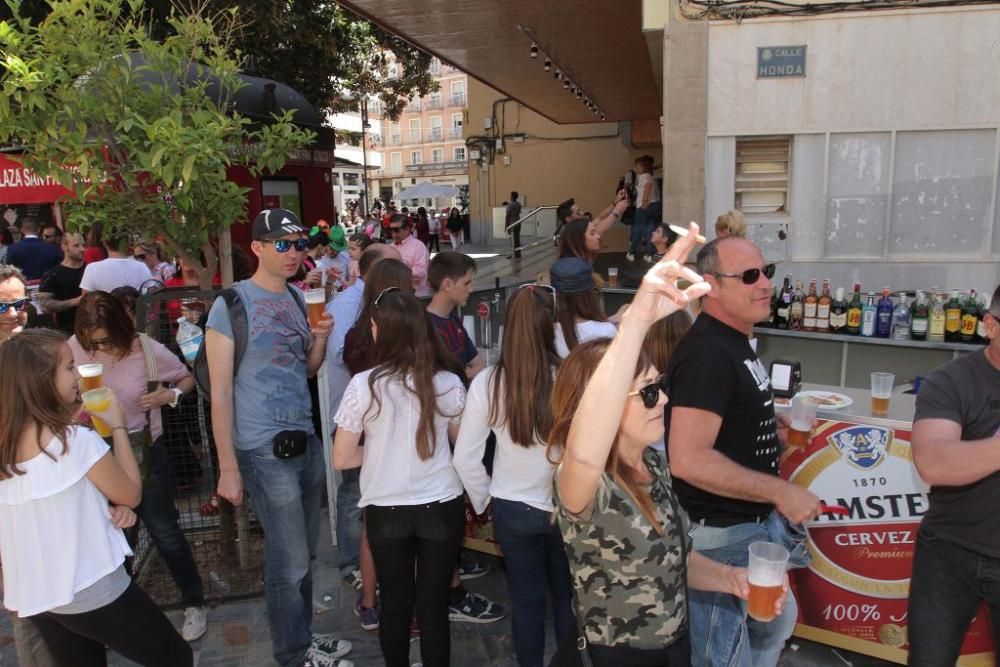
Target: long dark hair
{"x":573,"y":305}
{"x":524,"y":374}
{"x":100,"y":310}
{"x":572,"y":380}
{"x":410,"y":351}
{"x":386,"y":273}
{"x":573,"y":242}
{"x":28,"y":365}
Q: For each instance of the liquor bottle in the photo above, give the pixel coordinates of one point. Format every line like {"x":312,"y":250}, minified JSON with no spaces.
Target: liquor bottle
{"x":784,"y":303}
{"x":809,"y":308}
{"x":769,"y":322}
{"x":984,"y":307}
{"x":838,"y":313}
{"x":970,"y":318}
{"x":854,"y":311}
{"x":953,"y":318}
{"x":823,"y":309}
{"x":883,"y":315}
{"x":901,"y":319}
{"x":919,"y":318}
{"x":936,"y":331}
{"x":868,"y":316}
{"x":796,"y":310}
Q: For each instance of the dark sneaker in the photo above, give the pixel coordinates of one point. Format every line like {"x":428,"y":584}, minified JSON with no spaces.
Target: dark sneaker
{"x":475,"y":608}
{"x":470,"y":569}
{"x":318,"y":658}
{"x":368,"y":616}
{"x":330,"y":645}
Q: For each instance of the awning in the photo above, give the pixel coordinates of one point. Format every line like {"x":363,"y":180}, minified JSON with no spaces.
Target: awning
{"x":20,"y":185}
{"x":427,"y":190}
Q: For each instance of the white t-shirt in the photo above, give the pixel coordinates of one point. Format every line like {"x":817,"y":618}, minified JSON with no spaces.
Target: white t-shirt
{"x":640,"y":185}
{"x":586,"y":330}
{"x":521,"y":474}
{"x":114,"y":272}
{"x":56,"y":536}
{"x":392,"y":473}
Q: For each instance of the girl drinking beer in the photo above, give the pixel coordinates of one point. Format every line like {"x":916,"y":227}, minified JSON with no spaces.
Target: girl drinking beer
{"x":626,"y":536}
{"x":63,"y":550}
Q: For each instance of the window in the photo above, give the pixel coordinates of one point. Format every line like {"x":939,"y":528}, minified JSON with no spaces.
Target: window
{"x":437,"y":155}
{"x":395,"y":138}
{"x":857,"y":198}
{"x":459,"y":155}
{"x":437,"y":133}
{"x":458,"y":94}
{"x":435,"y":67}
{"x":434,"y":101}
{"x":414,"y":131}
{"x":457,"y":119}
{"x":396,"y":163}
{"x":416,"y":157}
{"x":762,"y":174}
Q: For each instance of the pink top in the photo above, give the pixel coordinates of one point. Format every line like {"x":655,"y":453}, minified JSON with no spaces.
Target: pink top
{"x":127,"y":378}
{"x":416,"y":256}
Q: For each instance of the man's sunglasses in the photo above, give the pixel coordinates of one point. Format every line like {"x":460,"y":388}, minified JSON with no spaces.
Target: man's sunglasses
{"x":284,"y":245}
{"x":650,"y":394}
{"x":383,"y":293}
{"x":17,"y":305}
{"x":750,"y":276}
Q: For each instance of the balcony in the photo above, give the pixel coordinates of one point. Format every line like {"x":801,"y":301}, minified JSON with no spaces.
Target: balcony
{"x":434,"y":134}
{"x":437,"y":168}
{"x":457,"y":100}
{"x":413,"y":106}
{"x":395,"y":140}
{"x":455,"y":133}
{"x":433,"y":103}
{"x":413,"y":137}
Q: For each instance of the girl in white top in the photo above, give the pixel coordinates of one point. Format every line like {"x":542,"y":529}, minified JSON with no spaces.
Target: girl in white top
{"x":62,"y":548}
{"x":512,"y":399}
{"x":579,"y":314}
{"x":408,"y":408}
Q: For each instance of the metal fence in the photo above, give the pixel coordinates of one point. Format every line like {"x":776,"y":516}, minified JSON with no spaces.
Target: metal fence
{"x":227,"y":542}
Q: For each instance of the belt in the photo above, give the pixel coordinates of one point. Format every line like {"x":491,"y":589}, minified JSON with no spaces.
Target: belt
{"x":727,"y":521}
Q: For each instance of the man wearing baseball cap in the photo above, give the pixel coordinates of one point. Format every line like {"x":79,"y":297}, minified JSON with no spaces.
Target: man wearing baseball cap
{"x":264,"y":434}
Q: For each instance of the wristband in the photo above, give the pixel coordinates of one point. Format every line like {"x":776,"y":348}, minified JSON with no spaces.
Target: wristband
{"x":119,"y":428}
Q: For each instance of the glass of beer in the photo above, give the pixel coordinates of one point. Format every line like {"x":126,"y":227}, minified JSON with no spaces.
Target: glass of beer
{"x":881,"y":393}
{"x":768,"y":562}
{"x":91,"y":376}
{"x":315,"y":306}
{"x":613,"y":276}
{"x":98,"y":400}
{"x":803,"y":417}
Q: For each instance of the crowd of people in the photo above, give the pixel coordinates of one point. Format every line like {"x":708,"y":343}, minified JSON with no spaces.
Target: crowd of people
{"x":628,"y":460}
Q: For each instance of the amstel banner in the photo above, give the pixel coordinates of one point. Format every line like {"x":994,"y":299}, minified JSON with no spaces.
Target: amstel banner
{"x":854,"y":594}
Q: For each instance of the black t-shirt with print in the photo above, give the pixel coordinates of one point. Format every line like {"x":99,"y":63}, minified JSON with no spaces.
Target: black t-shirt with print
{"x":715,"y":369}
{"x":63,"y":283}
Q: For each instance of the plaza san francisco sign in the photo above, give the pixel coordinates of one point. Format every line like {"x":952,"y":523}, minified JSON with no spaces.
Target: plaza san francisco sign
{"x":781,"y":62}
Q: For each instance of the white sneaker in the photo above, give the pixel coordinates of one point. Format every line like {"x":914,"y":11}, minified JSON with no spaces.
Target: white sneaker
{"x":647,"y":258}
{"x":630,"y":257}
{"x":330,"y":645}
{"x":318,"y":658}
{"x":195,"y":623}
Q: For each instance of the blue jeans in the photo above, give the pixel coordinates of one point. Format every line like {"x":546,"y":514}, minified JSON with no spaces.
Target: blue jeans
{"x":286,"y":494}
{"x":349,"y":521}
{"x":946,"y":587}
{"x":536,"y":563}
{"x":159,"y":513}
{"x":721,"y":632}
{"x":643,"y":224}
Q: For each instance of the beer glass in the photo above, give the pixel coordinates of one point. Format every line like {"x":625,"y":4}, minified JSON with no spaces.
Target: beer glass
{"x":768,"y":562}
{"x":881,"y":393}
{"x":315,"y":306}
{"x":613,"y":276}
{"x":91,"y":376}
{"x":98,"y":400}
{"x":803,"y":418}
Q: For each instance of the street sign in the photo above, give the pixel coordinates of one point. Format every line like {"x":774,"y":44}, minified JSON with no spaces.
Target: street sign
{"x":483,"y":310}
{"x":780,"y":62}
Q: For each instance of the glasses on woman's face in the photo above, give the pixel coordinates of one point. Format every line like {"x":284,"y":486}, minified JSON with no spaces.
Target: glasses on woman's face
{"x":750,"y":276}
{"x":18,"y":305}
{"x":650,"y":394}
{"x":383,"y":293}
{"x":141,"y":257}
{"x":284,"y":245}
{"x":101,"y":343}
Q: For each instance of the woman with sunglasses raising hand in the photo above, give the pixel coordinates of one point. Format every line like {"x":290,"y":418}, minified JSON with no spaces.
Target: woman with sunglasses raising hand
{"x":626,"y":535}
{"x":408,"y":408}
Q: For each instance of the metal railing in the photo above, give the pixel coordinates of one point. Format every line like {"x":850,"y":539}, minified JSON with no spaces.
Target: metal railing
{"x":457,"y":100}
{"x":433,"y":103}
{"x":516,"y":249}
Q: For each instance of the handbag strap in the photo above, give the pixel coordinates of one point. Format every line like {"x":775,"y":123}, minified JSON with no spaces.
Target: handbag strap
{"x":151,"y":373}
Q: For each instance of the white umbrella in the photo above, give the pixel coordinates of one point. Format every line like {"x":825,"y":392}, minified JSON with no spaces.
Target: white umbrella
{"x":427,"y":190}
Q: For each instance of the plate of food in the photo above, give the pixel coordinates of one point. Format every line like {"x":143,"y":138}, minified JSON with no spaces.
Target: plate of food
{"x":827,"y":400}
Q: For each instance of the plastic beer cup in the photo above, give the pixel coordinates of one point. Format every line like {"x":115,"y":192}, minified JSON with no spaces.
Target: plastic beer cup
{"x":315,"y":306}
{"x":881,"y":393}
{"x":803,"y":417}
{"x":98,"y":400}
{"x":768,"y":563}
{"x":613,"y":276}
{"x":91,"y":376}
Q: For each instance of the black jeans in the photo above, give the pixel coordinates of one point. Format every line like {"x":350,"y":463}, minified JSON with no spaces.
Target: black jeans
{"x":428,"y":537}
{"x":946,"y":587}
{"x":434,"y":243}
{"x":131,"y":625}
{"x":678,"y":654}
{"x":516,"y":233}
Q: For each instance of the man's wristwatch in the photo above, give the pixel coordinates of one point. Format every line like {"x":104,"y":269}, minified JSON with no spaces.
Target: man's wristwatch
{"x":177,"y":396}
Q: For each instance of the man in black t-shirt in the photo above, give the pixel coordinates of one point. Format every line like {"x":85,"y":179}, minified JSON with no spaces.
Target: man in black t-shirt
{"x":59,"y":292}
{"x":956,"y":449}
{"x":724,"y":445}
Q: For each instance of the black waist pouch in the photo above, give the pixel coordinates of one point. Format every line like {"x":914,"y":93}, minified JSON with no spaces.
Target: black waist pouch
{"x":289,"y":444}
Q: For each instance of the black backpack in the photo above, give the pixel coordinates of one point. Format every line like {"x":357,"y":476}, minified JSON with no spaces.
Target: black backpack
{"x":238,"y":322}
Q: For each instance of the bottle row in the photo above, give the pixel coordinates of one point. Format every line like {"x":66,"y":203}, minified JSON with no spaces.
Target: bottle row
{"x":931,"y":316}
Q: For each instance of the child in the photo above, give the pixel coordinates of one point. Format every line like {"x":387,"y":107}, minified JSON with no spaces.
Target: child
{"x":647,"y":208}
{"x":450,"y":275}
{"x":661,"y":239}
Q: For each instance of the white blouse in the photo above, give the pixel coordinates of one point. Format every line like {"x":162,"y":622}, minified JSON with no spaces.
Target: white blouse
{"x":522,"y":474}
{"x":391,"y":472}
{"x":585,"y":331}
{"x":56,"y":536}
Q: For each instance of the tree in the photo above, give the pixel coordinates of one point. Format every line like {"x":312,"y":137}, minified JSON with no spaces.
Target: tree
{"x":141,"y":130}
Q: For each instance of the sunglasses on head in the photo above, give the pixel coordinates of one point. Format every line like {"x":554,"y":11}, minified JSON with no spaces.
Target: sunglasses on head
{"x":750,"y":276}
{"x":650,"y":394}
{"x":17,"y":304}
{"x":140,"y":256}
{"x":383,"y":293}
{"x":547,"y":288}
{"x":284,"y":245}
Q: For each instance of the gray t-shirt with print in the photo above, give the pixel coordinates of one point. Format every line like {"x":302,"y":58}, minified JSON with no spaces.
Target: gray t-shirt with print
{"x":270,"y":391}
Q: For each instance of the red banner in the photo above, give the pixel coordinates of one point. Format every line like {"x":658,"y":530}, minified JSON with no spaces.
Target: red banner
{"x":20,"y":185}
{"x":854,"y":593}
